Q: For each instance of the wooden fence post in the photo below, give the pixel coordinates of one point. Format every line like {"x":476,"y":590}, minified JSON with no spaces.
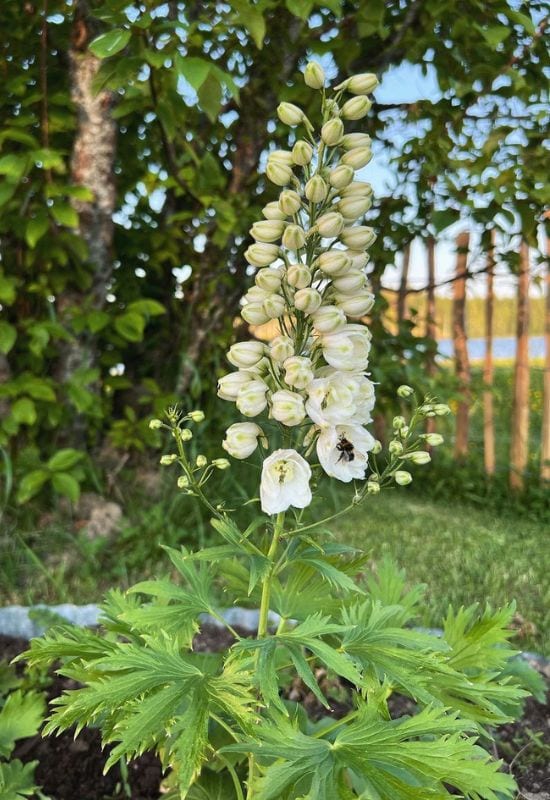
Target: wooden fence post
{"x":545,"y":449}
{"x":460,"y":343}
{"x":488,"y":366}
{"x":431,"y":323}
{"x":519,"y":443}
{"x":402,"y":296}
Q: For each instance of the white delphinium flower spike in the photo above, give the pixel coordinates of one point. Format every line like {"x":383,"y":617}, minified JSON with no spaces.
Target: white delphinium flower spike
{"x":285,"y":482}
{"x":342,"y":451}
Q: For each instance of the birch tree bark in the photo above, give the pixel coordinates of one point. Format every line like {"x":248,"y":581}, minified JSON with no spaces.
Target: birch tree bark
{"x":519,"y":442}
{"x":488,"y":367}
{"x":460,"y":342}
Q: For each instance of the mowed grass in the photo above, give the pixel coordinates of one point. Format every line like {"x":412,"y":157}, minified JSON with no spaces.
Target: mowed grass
{"x":463,"y":555}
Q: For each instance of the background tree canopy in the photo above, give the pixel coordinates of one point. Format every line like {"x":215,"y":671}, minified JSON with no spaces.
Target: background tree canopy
{"x":131,"y":137}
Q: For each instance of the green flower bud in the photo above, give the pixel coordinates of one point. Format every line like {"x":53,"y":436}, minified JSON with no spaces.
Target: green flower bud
{"x":358,"y":158}
{"x":281,"y":348}
{"x":307,"y":300}
{"x":350,"y":283}
{"x":395,"y":447}
{"x":356,"y":306}
{"x":398,"y":423}
{"x":334,"y":262}
{"x":196,"y":416}
{"x":316,"y":189}
{"x":330,"y":224}
{"x":332,"y":132}
{"x":168,"y":459}
{"x":274,"y":306}
{"x":402,"y":478}
{"x":373,"y":487}
{"x":405,"y":391}
{"x":268,"y":230}
{"x":354,"y":207}
{"x":272,"y":211}
{"x":290,"y":202}
{"x":268,"y":279}
{"x":356,"y":108}
{"x":290,"y":114}
{"x":298,"y":276}
{"x":201,"y":461}
{"x":281,"y":157}
{"x":183,"y":482}
{"x":352,"y":140}
{"x":433,"y":439}
{"x":441,"y":409}
{"x":155,"y":424}
{"x":294,"y":237}
{"x":357,"y":188}
{"x":341,"y":176}
{"x":365,"y":83}
{"x":261,"y":255}
{"x":358,"y":237}
{"x":279,"y":174}
{"x":185,"y":435}
{"x":419,"y":457}
{"x":314,"y":75}
{"x":376,"y":448}
{"x":302,"y":153}
{"x":221,"y":463}
{"x":254,"y":314}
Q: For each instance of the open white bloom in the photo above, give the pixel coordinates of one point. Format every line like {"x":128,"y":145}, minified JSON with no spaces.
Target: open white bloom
{"x":298,"y":371}
{"x":241,"y":439}
{"x":288,"y":407}
{"x":251,"y":399}
{"x":337,"y":398}
{"x":342,"y":451}
{"x":285,"y":482}
{"x":347,"y":348}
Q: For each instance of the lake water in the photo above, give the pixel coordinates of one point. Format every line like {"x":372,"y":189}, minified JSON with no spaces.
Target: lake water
{"x":504,"y":347}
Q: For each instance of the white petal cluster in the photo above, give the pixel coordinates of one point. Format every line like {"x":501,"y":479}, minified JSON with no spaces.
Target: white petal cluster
{"x":310,"y":252}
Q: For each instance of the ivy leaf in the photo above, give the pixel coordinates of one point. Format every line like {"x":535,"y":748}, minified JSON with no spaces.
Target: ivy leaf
{"x":67,"y":485}
{"x":35,"y":229}
{"x":107,"y":44}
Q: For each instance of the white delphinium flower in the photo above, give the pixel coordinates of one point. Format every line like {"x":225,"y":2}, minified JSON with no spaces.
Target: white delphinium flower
{"x":241,"y":439}
{"x":285,"y":482}
{"x":342,"y":451}
{"x":347,"y":348}
{"x":340,"y":397}
{"x":288,"y":407}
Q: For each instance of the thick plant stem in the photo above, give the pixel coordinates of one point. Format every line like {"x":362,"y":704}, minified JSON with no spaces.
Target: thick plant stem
{"x":263,"y":621}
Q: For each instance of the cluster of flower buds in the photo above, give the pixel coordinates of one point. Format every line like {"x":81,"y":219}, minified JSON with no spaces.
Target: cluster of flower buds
{"x":310,"y":251}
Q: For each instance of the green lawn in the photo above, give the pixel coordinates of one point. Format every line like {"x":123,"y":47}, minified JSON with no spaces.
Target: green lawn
{"x":463,"y":554}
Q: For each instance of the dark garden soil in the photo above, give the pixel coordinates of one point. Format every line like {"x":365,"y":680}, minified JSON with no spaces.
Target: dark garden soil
{"x":72,"y":769}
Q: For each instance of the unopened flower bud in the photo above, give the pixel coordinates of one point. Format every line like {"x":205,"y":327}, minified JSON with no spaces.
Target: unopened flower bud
{"x":373,"y":487}
{"x":168,"y":459}
{"x":350,"y":283}
{"x":357,"y":158}
{"x":274,"y":306}
{"x":433,"y":439}
{"x":272,"y":211}
{"x":358,"y":237}
{"x":356,"y":108}
{"x":419,"y":457}
{"x":261,"y":255}
{"x":364,"y":83}
{"x":246,"y":354}
{"x":398,"y":423}
{"x":307,"y":300}
{"x":354,"y":207}
{"x":294,"y":237}
{"x":376,"y":448}
{"x":183,"y":482}
{"x":441,"y":409}
{"x":230,"y":385}
{"x":287,"y":407}
{"x":341,"y":176}
{"x":201,"y":461}
{"x":251,"y":399}
{"x":298,"y":371}
{"x":316,"y":189}
{"x":359,"y":259}
{"x":395,"y":447}
{"x":281,"y":157}
{"x":186,"y":435}
{"x":279,"y":174}
{"x":268,"y":230}
{"x":290,"y":202}
{"x":404,"y":431}
{"x":290,"y":114}
{"x":196,"y":416}
{"x":352,"y":140}
{"x":298,"y":276}
{"x":268,"y":279}
{"x":330,"y":224}
{"x":356,"y":306}
{"x":332,"y":107}
{"x":314,"y":75}
{"x":281,"y":348}
{"x":155,"y":424}
{"x":255,"y":314}
{"x":302,"y":153}
{"x":405,"y":391}
{"x":357,"y":188}
{"x":332,"y":131}
{"x":334,"y":262}
{"x":402,"y":478}
{"x":221,"y":463}
{"x":256,"y":295}
{"x":241,"y":439}
{"x":328,"y":319}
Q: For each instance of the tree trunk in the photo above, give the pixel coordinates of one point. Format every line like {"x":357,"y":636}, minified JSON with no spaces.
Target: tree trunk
{"x":402,"y":312}
{"x":519,"y":447}
{"x":488,"y":367}
{"x":431,"y":323}
{"x":92,"y":166}
{"x":545,"y":451}
{"x":460,"y":342}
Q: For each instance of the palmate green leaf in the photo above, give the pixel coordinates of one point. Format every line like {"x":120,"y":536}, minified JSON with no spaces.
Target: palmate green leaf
{"x":479,"y":642}
{"x":212,"y":786}
{"x":68,"y":643}
{"x":388,"y":586}
{"x":20,"y":716}
{"x":301,"y":593}
{"x":17,"y":780}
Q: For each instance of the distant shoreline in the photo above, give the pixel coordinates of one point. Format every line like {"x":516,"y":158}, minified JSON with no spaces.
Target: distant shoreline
{"x":504,"y":348}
